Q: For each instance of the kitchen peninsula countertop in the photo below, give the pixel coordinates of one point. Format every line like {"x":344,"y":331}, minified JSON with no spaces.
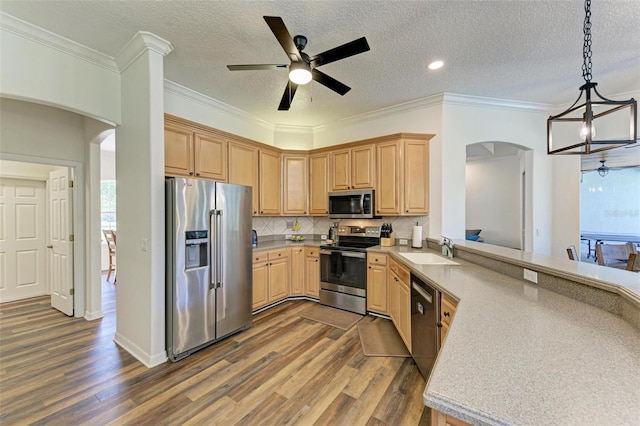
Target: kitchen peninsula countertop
{"x":519,"y":354}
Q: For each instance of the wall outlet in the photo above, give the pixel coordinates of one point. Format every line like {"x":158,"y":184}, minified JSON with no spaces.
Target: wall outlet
{"x":530,"y":275}
{"x":289,"y":224}
{"x":288,"y":237}
{"x":323,"y":236}
{"x":403,"y":242}
{"x":144,"y":244}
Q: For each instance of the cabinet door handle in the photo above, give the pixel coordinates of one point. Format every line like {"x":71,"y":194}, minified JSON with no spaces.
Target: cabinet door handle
{"x":406,"y":211}
{"x":197,"y":174}
{"x":446,"y":314}
{"x":316,"y":260}
{"x":190,"y":173}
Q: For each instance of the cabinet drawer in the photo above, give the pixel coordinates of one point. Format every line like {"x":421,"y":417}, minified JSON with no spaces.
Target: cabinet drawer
{"x":376,"y":259}
{"x":260,"y":256}
{"x":404,"y":275}
{"x":279,"y":254}
{"x":312,"y":251}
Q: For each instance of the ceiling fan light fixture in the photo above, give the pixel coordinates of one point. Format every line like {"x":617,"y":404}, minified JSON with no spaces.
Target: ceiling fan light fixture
{"x":565,"y":138}
{"x":300,"y":73}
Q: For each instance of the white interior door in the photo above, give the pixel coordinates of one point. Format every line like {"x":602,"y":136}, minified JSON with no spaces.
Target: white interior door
{"x":22,"y":239}
{"x":60,"y":241}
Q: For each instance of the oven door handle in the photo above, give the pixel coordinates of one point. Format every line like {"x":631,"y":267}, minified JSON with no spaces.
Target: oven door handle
{"x":353,"y":254}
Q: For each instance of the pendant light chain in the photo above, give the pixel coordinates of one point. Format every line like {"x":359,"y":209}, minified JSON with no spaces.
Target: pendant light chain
{"x":586,"y":49}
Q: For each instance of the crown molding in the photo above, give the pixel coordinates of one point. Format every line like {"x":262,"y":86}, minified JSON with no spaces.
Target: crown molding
{"x":197,"y":97}
{"x":47,"y":38}
{"x":417,"y":104}
{"x":140,"y":43}
{"x":478,"y":101}
{"x":292,"y":129}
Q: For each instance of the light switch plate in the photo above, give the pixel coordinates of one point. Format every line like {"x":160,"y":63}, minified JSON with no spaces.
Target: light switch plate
{"x":530,"y":275}
{"x":403,"y":242}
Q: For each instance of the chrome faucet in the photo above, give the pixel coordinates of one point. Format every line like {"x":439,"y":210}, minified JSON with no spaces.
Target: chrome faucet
{"x":449,"y":244}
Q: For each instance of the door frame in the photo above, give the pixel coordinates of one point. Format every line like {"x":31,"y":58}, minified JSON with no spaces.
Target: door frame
{"x":78,"y":219}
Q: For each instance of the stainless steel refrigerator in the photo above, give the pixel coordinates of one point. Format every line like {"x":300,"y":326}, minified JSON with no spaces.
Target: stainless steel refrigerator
{"x":208,"y":265}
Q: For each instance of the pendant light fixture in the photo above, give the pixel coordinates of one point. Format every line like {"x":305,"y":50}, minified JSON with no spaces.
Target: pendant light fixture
{"x":574,"y":130}
{"x":603,"y":170}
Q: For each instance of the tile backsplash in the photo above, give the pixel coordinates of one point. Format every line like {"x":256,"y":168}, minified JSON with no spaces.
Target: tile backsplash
{"x":275,"y":226}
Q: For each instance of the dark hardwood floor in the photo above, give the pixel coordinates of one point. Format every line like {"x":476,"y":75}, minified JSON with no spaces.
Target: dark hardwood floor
{"x":284,"y":370}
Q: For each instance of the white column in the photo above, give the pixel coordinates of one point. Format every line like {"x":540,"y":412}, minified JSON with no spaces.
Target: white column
{"x":140,"y":200}
{"x":94,"y":133}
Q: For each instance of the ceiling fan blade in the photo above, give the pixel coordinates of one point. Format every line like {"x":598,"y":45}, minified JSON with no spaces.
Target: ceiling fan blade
{"x":329,"y":82}
{"x":287,"y":96}
{"x":284,"y":38}
{"x":256,"y":67}
{"x":348,"y":49}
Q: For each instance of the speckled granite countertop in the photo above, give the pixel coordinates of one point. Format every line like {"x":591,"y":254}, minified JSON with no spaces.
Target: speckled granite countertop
{"x":518,"y":354}
{"x":271,"y":245}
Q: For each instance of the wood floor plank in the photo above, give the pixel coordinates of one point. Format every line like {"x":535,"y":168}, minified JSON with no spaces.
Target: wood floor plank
{"x":283,"y":370}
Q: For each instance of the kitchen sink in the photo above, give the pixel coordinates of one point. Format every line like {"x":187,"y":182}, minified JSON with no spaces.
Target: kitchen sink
{"x":427,"y":259}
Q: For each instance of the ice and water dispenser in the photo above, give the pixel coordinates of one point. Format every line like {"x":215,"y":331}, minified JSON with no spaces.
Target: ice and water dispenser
{"x":197,"y":244}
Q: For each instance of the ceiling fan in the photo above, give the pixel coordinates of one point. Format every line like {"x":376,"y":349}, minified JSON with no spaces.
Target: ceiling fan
{"x":303,"y":68}
{"x":603,"y":170}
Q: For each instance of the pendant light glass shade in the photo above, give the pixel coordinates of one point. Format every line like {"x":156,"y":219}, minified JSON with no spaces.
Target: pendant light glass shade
{"x":300,"y":73}
{"x":574,"y":130}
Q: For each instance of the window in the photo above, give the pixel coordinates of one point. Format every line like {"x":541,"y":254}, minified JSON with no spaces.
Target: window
{"x":108,"y":204}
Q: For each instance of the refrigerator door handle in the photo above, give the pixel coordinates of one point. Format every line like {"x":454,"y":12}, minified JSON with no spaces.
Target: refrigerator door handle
{"x":219,"y":249}
{"x":213,"y":249}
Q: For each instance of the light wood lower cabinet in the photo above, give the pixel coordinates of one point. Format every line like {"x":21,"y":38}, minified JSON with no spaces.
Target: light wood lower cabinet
{"x":400,"y":300}
{"x":271,"y":277}
{"x":377,"y":283}
{"x":297,"y":271}
{"x":312,"y":272}
{"x":438,"y":418}
{"x":447,"y":311}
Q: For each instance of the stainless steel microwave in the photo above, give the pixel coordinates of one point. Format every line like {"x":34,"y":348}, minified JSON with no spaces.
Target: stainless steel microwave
{"x":357,"y":204}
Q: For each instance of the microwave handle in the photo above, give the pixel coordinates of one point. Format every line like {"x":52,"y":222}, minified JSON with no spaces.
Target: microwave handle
{"x":362,"y":204}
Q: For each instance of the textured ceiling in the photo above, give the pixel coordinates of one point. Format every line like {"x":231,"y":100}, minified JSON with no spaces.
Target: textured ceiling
{"x":517,"y":50}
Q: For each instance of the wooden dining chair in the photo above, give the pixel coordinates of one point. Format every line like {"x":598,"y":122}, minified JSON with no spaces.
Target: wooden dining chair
{"x":573,"y":254}
{"x":614,"y":255}
{"x":633,"y":263}
{"x":110,"y":237}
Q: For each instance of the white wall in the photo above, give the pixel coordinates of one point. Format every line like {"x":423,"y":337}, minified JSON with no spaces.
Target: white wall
{"x":186,"y":103}
{"x":107,"y":165}
{"x":493,"y":199}
{"x":41,"y":134}
{"x":15,"y":169}
{"x":33,"y":71}
{"x":468,"y":120}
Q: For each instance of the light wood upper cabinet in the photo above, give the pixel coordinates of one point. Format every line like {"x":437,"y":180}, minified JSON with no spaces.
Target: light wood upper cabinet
{"x":388,"y":179}
{"x":270,"y":183}
{"x":353,"y":168}
{"x":295,"y":172}
{"x":178,"y":151}
{"x":341,"y":170}
{"x":243,"y":169}
{"x":402,"y":184}
{"x":319,"y":184}
{"x":190,"y":152}
{"x":416,"y":176}
{"x":363,"y":167}
{"x":210,"y":159}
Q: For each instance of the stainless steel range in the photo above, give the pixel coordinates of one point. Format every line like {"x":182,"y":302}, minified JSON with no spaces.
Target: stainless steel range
{"x":343,"y":268}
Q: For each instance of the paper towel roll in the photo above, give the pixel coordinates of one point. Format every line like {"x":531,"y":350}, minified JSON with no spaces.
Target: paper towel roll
{"x":417,"y":237}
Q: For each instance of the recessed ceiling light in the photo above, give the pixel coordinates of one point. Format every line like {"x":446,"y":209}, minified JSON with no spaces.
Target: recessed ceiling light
{"x":435,"y":65}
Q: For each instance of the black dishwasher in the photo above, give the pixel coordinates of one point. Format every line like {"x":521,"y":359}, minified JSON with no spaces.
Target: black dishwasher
{"x":425,"y":329}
